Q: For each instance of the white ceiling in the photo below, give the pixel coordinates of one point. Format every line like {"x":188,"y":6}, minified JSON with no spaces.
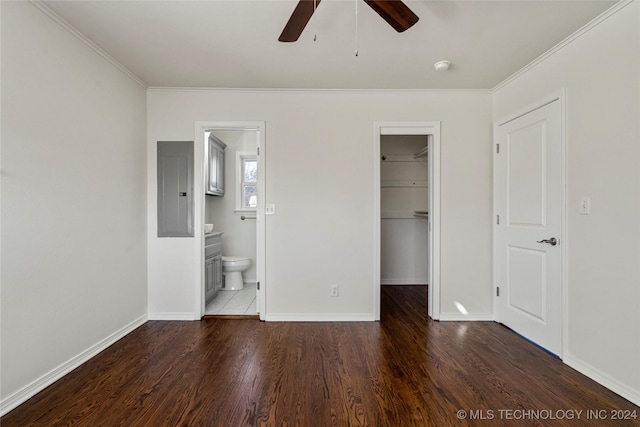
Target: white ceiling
{"x":234,"y":43}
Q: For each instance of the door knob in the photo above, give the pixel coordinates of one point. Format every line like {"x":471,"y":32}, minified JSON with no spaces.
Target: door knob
{"x":552,"y":241}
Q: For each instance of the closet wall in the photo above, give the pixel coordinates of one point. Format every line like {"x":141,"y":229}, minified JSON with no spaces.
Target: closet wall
{"x":404,"y":196}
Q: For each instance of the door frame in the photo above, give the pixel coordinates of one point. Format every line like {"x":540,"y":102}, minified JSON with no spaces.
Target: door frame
{"x":199,"y":160}
{"x":431,"y":129}
{"x":561,"y":97}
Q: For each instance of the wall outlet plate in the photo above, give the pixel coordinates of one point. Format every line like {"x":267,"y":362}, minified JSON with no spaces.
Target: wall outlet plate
{"x":334,"y":290}
{"x":270,"y":210}
{"x":585,"y":206}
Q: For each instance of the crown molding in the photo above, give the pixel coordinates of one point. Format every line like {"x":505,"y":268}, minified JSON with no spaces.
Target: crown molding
{"x":579,"y":33}
{"x":77,"y":34}
{"x":325,"y":91}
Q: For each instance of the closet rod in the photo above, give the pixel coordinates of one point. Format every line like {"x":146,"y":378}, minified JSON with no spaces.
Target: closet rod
{"x":422,"y":153}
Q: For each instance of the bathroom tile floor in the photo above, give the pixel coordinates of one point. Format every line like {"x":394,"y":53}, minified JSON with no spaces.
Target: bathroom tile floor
{"x":234,"y":302}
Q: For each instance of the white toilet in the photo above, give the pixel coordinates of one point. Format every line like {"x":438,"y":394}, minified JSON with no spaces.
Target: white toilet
{"x":232,"y":268}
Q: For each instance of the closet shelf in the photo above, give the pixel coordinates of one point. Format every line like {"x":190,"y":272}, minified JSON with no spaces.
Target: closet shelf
{"x":398,"y":215}
{"x":387,"y":158}
{"x":404,"y":183}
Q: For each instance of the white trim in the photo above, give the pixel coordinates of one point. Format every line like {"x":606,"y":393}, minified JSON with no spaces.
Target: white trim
{"x":324,"y":91}
{"x":199,"y":158}
{"x":617,"y":7}
{"x":169,"y":315}
{"x":471,"y":317}
{"x":432,"y":129}
{"x":564,"y":135}
{"x":415,"y":129}
{"x":319,"y":317}
{"x":77,"y":34}
{"x":600,"y":377}
{"x":39,"y":384}
{"x":434,"y":222}
{"x":561,"y":97}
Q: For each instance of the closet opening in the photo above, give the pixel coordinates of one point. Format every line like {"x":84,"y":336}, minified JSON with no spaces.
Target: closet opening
{"x":407,"y":206}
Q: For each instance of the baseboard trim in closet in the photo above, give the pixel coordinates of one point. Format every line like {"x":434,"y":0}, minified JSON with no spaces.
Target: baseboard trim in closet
{"x":403,"y":282}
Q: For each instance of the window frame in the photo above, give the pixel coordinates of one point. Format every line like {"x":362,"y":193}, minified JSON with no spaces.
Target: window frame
{"x":241,"y":157}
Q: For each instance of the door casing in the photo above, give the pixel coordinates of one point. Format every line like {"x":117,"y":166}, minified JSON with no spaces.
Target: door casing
{"x":432,"y":129}
{"x":200,"y":128}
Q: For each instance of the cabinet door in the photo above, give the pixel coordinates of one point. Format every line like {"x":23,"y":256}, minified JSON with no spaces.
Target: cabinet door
{"x":215,"y":166}
{"x":212,"y":169}
{"x":220,"y":172}
{"x":209,"y":279}
{"x":217,"y":272}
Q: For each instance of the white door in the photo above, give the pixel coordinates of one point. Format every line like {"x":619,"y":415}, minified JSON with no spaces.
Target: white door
{"x":529,"y":198}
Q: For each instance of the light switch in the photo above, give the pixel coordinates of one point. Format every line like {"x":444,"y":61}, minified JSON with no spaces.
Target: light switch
{"x":585,"y":206}
{"x":270,"y":210}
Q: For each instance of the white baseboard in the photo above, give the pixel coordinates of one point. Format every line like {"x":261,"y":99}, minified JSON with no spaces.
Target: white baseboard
{"x":409,"y":281}
{"x":55,"y":374}
{"x":319,"y":317}
{"x":471,"y":317}
{"x":172,"y":316}
{"x":632,"y":395}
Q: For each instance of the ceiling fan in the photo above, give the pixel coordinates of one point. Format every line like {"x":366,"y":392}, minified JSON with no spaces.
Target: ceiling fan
{"x":395,"y":12}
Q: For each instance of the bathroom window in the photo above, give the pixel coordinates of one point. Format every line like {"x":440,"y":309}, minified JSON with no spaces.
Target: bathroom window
{"x":247,"y":194}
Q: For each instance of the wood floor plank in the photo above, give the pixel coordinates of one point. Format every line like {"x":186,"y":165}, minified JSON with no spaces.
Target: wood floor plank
{"x":405,"y":370}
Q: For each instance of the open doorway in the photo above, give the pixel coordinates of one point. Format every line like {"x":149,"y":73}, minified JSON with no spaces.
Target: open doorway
{"x":231,"y":211}
{"x":407,"y":208}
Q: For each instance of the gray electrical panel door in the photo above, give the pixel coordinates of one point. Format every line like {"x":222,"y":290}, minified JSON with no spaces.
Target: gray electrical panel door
{"x":175,"y":188}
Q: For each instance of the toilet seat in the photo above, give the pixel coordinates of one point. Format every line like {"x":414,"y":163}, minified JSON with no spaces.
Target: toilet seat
{"x":234,"y":258}
{"x":235,"y":261}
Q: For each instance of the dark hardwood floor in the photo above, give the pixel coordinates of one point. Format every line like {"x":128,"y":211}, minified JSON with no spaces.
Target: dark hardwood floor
{"x":405,"y":370}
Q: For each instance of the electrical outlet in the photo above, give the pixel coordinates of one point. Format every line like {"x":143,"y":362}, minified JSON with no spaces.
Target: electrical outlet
{"x":334,"y":290}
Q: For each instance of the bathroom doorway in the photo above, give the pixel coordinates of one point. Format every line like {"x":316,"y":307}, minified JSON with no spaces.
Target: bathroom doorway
{"x":236,"y":216}
{"x":407,"y":207}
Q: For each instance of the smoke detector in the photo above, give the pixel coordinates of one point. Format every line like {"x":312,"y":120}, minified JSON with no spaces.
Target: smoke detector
{"x":442,"y":65}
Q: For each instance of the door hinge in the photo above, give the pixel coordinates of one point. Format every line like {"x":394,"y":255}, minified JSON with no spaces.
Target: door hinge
{"x":497,"y":291}
{"x":258,"y":285}
{"x":498,"y":219}
{"x":497,"y":148}
{"x":258,"y":151}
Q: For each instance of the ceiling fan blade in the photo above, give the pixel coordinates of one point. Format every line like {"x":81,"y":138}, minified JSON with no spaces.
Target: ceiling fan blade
{"x":299,"y":19}
{"x":396,"y":13}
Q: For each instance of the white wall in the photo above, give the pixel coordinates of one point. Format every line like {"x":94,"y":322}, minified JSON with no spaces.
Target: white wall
{"x":73,"y":201}
{"x":601,"y":72}
{"x":239,"y":238}
{"x":319,"y":173}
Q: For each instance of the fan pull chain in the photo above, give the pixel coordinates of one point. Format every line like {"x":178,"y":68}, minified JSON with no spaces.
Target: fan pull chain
{"x":356,"y":27}
{"x":315,"y":33}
